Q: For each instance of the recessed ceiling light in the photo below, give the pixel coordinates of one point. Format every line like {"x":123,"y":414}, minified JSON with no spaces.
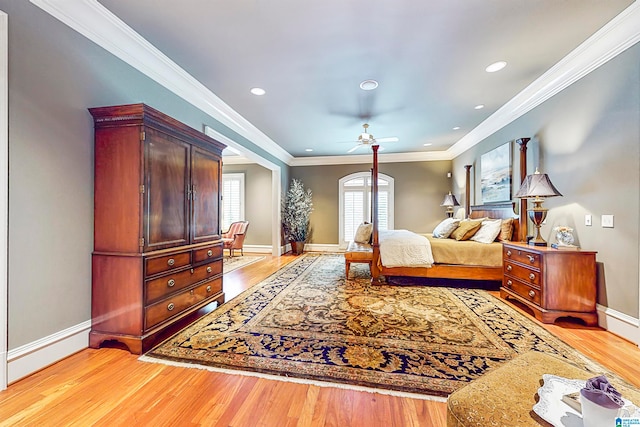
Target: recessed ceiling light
{"x":496,"y":66}
{"x":308,"y":149}
{"x":479,"y":107}
{"x":258,"y":91}
{"x":369,"y":85}
{"x":456,"y":128}
{"x":428,"y":144}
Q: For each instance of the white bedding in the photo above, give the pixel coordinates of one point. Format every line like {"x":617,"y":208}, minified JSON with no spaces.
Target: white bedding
{"x":403,"y":248}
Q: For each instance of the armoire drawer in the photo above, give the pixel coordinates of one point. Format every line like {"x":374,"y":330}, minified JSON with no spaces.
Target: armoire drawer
{"x":523,"y":289}
{"x":166,"y":263}
{"x":173,"y":282}
{"x":208,"y":253}
{"x":176,"y":304}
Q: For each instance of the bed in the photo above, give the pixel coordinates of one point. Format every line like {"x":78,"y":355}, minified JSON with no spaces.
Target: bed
{"x":469,"y":269}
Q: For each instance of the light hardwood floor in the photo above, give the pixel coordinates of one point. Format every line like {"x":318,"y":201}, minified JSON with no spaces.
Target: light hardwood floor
{"x":110,"y":387}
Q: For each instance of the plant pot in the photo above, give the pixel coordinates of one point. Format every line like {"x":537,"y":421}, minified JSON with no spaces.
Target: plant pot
{"x":297,"y":247}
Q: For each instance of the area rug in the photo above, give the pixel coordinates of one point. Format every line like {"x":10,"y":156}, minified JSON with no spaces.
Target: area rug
{"x":309,"y":324}
{"x":230,"y":264}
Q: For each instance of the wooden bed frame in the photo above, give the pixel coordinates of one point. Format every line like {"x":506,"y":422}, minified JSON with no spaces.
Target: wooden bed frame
{"x":449,"y":271}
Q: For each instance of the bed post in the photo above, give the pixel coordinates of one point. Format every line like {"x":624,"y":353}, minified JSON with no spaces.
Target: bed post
{"x":467,"y":191}
{"x":523,"y":202}
{"x":375,"y":272}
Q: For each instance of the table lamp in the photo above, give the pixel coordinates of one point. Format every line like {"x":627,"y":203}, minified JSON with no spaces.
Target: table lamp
{"x":537,"y":187}
{"x":449,"y":201}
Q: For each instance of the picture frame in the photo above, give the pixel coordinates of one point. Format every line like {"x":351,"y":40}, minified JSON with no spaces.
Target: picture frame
{"x":495,"y":175}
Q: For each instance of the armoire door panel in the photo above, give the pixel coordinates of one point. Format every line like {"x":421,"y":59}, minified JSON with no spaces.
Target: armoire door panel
{"x":205,"y":180}
{"x":166,"y":192}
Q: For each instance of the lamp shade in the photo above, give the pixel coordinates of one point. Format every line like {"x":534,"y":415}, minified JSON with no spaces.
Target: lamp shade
{"x":537,"y":185}
{"x":450,"y":200}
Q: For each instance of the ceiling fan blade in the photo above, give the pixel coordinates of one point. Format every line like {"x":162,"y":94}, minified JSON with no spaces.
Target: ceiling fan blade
{"x":389,"y":139}
{"x":354,"y":148}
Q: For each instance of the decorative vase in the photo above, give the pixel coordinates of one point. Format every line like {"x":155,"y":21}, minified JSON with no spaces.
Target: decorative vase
{"x":564,"y":238}
{"x":297,"y":247}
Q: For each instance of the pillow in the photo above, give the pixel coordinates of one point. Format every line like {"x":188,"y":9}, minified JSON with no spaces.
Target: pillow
{"x":506,"y":230}
{"x":466,"y":229}
{"x":363,"y":233}
{"x":488,"y":231}
{"x":445,"y":228}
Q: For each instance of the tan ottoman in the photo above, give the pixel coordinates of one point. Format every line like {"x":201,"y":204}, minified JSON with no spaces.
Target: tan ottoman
{"x":505,"y":396}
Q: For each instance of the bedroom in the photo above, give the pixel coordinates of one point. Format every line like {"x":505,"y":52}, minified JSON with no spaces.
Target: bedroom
{"x":588,"y":144}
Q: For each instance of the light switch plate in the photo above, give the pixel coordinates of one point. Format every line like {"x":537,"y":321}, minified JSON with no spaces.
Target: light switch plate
{"x":607,"y":221}
{"x":587,"y":220}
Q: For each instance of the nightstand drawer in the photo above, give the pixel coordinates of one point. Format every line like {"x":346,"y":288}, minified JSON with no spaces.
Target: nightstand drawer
{"x":521,"y":256}
{"x":523,"y":289}
{"x":527,"y":275}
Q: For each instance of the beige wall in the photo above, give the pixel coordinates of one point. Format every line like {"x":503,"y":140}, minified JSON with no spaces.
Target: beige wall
{"x":587,"y":139}
{"x":419,"y":189}
{"x":257,"y":197}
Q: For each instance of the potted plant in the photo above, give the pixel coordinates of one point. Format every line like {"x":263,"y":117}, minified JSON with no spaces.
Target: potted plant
{"x":296,"y":209}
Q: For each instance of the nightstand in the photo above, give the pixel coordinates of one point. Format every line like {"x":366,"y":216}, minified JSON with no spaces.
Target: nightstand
{"x":552,"y":282}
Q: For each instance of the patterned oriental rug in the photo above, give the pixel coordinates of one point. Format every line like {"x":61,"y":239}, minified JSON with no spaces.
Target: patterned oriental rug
{"x":308,"y":324}
{"x":230,"y":264}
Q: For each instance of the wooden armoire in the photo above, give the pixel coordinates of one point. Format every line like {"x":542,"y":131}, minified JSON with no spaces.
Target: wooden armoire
{"x":157,"y":256}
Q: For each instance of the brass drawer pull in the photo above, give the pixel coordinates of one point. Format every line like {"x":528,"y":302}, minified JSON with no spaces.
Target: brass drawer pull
{"x":171,"y":283}
{"x":209,"y":270}
{"x":508,"y":253}
{"x":208,"y":289}
{"x":532,"y":276}
{"x":509,"y":268}
{"x":171,"y":261}
{"x":171,"y":306}
{"x":209,"y":252}
{"x":532,"y":294}
{"x":509,"y":283}
{"x":531,"y":259}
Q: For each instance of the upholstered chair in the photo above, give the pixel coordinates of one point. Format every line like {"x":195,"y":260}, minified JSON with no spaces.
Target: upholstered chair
{"x":234,"y":238}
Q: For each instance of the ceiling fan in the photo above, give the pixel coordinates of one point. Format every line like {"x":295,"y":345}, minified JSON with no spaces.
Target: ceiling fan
{"x":367,"y":139}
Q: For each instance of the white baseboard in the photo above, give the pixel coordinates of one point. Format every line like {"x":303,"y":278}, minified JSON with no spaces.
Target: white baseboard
{"x":258,"y":249}
{"x":621,"y":324}
{"x":310,"y":247}
{"x":317,"y":247}
{"x":32,"y":357}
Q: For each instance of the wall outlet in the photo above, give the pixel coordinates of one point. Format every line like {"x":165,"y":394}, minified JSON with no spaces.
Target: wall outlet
{"x":587,"y":220}
{"x":607,"y":221}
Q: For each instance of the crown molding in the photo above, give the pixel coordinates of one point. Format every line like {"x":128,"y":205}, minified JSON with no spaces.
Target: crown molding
{"x":615,"y":37}
{"x":94,"y":21}
{"x":363,"y":158}
{"x":98,"y":24}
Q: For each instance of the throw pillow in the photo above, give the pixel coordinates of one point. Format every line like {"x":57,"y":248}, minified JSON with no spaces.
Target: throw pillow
{"x":506,"y":230}
{"x":445,"y":228}
{"x":466,"y":229}
{"x":488,"y":231}
{"x":363,"y":233}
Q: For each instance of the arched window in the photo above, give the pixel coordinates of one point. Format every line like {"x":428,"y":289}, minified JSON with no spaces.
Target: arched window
{"x":355,"y":203}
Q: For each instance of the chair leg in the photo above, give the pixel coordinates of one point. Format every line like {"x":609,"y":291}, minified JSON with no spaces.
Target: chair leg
{"x":347,"y":266}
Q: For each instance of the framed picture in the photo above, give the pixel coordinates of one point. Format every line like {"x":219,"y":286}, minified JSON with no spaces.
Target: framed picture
{"x":495,"y":175}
